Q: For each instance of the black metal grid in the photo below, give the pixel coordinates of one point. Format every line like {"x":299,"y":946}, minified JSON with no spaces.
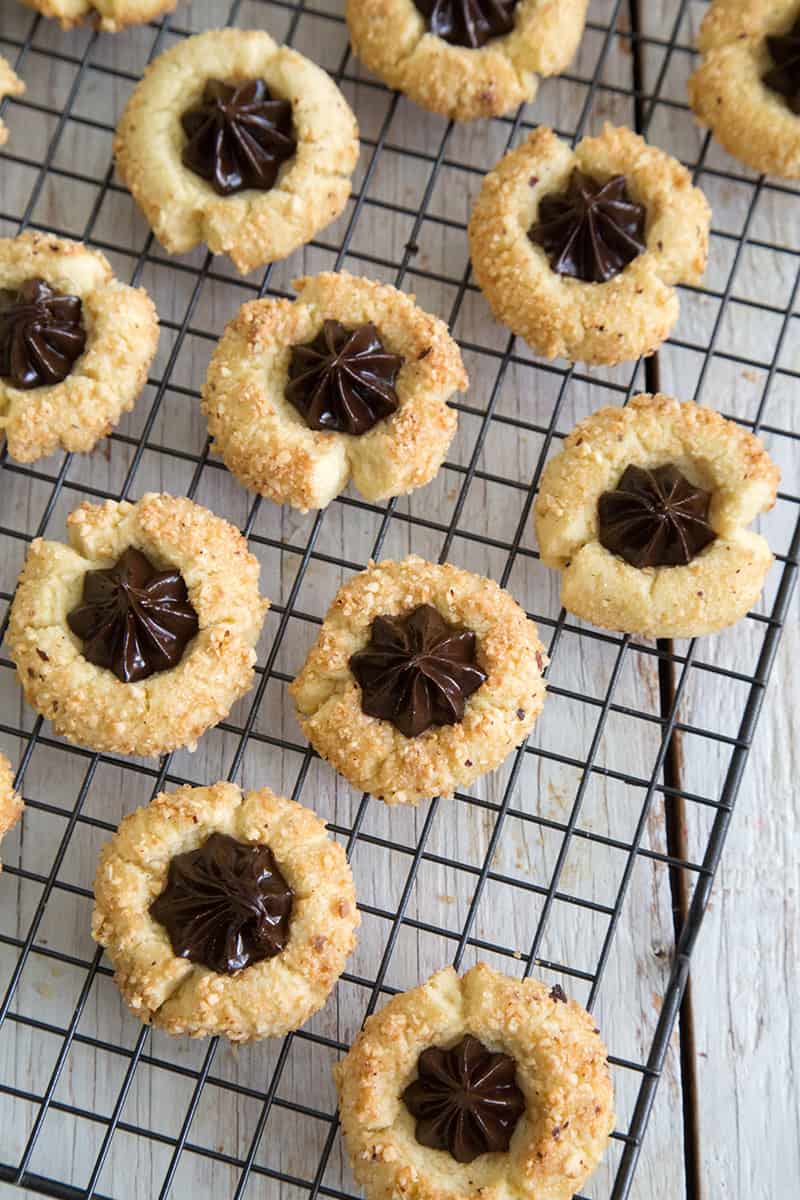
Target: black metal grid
{"x":651,"y":61}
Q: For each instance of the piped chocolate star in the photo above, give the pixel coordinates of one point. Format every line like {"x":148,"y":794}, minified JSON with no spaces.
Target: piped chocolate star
{"x":343,"y":381}
{"x":592,"y":231}
{"x":655,"y":518}
{"x":470,"y":23}
{"x":465,"y":1100}
{"x":417,"y":671}
{"x":134,"y":619}
{"x":238,"y":136}
{"x":225,"y":905}
{"x":41,"y":334}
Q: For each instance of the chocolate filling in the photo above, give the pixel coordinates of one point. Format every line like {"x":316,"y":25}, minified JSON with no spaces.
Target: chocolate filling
{"x":465,"y":1100}
{"x":41,"y":334}
{"x":238,"y":136}
{"x":591,"y":231}
{"x":226,"y":905}
{"x":343,"y":380}
{"x":417,"y":671}
{"x":655,"y":518}
{"x":134,"y":619}
{"x":783,"y":76}
{"x":469,"y":23}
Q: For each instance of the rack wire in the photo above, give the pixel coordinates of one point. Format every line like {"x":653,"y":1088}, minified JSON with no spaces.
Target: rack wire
{"x":57,"y":175}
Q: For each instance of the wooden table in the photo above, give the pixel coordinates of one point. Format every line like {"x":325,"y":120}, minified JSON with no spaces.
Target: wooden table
{"x":737,"y":1096}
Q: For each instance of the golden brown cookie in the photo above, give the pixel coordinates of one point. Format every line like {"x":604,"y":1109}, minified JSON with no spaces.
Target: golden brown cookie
{"x":115,"y":333}
{"x":747,"y":87}
{"x":727,"y":564}
{"x":11,"y":805}
{"x":558,"y":1079}
{"x":564,"y":315}
{"x":107,"y":15}
{"x":292,"y":426}
{"x":246,"y":881}
{"x":487,"y":60}
{"x":253,"y":226}
{"x":472,"y":723}
{"x":10,"y":85}
{"x":174,"y":674}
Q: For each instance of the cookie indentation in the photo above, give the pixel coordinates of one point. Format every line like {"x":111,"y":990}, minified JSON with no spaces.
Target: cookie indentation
{"x":783,"y":76}
{"x":135,"y":620}
{"x":226,"y":905}
{"x":239,"y":134}
{"x":465,"y":1100}
{"x":593,"y":230}
{"x":655,"y":518}
{"x":41,"y":335}
{"x":417,"y":671}
{"x":469,"y":23}
{"x":343,"y":380}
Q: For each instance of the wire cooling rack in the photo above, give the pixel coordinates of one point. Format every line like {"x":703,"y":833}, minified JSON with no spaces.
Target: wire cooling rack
{"x":589,"y":858}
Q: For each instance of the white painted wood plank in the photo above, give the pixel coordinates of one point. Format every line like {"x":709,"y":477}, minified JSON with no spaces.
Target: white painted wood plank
{"x":745,"y":966}
{"x":638,"y":966}
{"x":746,"y":969}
